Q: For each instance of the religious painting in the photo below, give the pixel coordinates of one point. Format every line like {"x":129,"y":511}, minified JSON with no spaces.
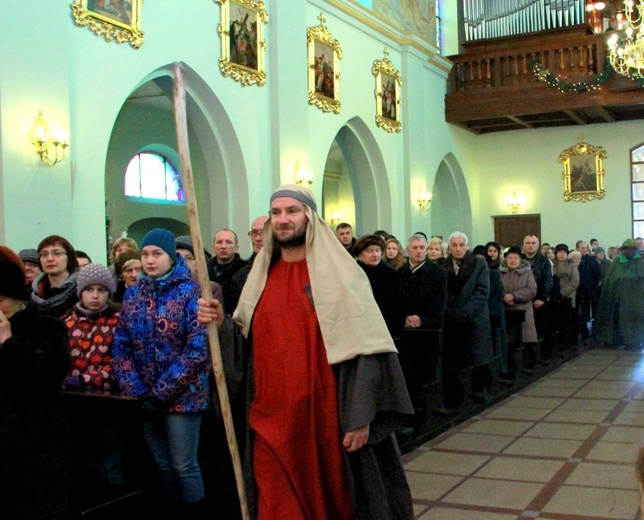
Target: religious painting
{"x":388,"y":84}
{"x":116,"y":20}
{"x":324,"y":55}
{"x":242,"y":40}
{"x":583,"y":172}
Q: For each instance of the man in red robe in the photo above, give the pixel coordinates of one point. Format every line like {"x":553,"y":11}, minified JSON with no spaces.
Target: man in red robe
{"x":326,"y":389}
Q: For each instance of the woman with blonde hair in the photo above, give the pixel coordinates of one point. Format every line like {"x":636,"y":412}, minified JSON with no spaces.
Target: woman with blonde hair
{"x":121,"y":245}
{"x":394,"y":254}
{"x":436,"y":250}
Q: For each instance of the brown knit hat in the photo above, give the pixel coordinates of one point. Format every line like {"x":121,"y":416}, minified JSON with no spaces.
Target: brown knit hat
{"x":125,"y":257}
{"x":365,"y":241}
{"x":12,"y":281}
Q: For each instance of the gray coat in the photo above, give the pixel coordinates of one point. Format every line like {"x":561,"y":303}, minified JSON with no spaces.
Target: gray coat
{"x":468,"y":293}
{"x":520,"y":283}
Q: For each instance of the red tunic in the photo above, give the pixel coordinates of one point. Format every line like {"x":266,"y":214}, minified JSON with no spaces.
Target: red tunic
{"x":297,"y":457}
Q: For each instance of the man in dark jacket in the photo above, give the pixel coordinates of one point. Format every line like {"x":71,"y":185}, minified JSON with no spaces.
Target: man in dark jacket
{"x":239,"y":278}
{"x":590,"y":277}
{"x":542,"y":271}
{"x":424,"y":289}
{"x":226,"y":261}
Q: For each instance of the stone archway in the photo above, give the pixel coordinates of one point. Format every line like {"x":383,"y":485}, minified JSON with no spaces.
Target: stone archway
{"x":146,"y":121}
{"x":451,"y":208}
{"x":355,"y":181}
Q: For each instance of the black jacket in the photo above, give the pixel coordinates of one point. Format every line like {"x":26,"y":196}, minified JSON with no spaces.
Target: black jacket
{"x":225,"y":276}
{"x":425,"y":294}
{"x":542,"y":271}
{"x":590,"y":275}
{"x":385,"y":284}
{"x":33,"y":435}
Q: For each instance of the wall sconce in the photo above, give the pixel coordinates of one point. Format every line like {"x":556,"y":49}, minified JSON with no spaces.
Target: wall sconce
{"x":335,"y":218}
{"x":424,"y":199}
{"x":301,"y":175}
{"x":514,"y":202}
{"x":50,"y":144}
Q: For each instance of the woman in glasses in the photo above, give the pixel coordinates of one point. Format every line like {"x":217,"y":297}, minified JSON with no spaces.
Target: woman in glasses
{"x":54,"y":291}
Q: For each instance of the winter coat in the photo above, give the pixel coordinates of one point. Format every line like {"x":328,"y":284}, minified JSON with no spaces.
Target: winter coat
{"x":521,"y":284}
{"x":424,"y":293}
{"x":33,"y":434}
{"x":159,"y":346}
{"x":225,"y":277}
{"x":590,"y":275}
{"x":542,"y":271}
{"x":467,"y":296}
{"x":620,"y":313}
{"x":385,"y":285}
{"x":568,"y":278}
{"x":91,"y":335}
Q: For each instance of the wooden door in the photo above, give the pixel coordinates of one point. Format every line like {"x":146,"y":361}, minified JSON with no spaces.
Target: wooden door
{"x":510,"y":230}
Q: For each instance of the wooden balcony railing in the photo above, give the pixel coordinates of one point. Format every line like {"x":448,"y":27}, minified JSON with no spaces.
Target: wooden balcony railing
{"x":493,"y":87}
{"x":573,"y":54}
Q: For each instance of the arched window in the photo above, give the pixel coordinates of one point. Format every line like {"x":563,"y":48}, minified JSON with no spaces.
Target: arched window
{"x":152,"y":176}
{"x":637,"y":191}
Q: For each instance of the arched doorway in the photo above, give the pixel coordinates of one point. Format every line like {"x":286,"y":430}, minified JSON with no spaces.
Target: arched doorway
{"x":356,"y":185}
{"x":146,"y":122}
{"x":451,"y":209}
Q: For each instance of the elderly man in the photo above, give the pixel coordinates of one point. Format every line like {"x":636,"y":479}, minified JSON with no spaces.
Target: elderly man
{"x":424,"y":289}
{"x":620,"y":314}
{"x":542,"y":271}
{"x":326,"y":387}
{"x":226,"y":261}
{"x":239,"y":278}
{"x":467,"y":321}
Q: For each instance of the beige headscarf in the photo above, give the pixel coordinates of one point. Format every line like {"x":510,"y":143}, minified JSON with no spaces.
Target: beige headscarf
{"x":350,"y":320}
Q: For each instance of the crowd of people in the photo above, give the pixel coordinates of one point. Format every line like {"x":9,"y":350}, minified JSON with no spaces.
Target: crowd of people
{"x":329,"y":342}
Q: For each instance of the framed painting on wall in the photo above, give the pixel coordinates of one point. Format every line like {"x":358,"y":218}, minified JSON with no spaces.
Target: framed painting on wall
{"x":242,"y":40}
{"x":583,"y":172}
{"x":324,"y":55}
{"x":388,"y":102}
{"x":117,"y":20}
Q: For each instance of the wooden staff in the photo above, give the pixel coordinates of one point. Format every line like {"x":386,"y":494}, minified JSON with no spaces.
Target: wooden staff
{"x":181,"y":122}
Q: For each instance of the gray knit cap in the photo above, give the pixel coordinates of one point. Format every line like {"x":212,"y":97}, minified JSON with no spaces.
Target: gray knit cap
{"x":95,"y":274}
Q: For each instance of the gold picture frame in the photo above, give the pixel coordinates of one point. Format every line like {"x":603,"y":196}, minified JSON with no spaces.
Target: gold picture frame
{"x":583,"y":171}
{"x":243,"y":43}
{"x":117,"y":20}
{"x":324,"y":55}
{"x":387,"y":93}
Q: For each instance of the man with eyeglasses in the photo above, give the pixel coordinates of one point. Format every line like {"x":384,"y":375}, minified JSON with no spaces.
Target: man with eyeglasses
{"x":54,"y":291}
{"x":239,"y":279}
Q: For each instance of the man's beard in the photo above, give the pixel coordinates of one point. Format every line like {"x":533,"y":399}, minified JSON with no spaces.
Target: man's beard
{"x":296,"y":240}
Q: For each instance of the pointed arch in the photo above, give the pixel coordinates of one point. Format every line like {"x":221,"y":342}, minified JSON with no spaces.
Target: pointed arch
{"x":451,"y":207}
{"x":368,"y":173}
{"x":215,"y":149}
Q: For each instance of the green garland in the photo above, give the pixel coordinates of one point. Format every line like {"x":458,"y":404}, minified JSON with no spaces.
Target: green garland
{"x":543,"y":74}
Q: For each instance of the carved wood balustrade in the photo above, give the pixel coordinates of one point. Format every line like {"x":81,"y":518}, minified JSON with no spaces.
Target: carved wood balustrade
{"x":492,"y":86}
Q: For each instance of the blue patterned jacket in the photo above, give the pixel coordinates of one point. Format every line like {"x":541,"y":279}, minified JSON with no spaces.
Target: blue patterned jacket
{"x":159,"y":346}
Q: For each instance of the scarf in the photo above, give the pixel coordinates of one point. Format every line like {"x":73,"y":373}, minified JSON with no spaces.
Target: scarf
{"x":350,"y":320}
{"x":64,"y":292}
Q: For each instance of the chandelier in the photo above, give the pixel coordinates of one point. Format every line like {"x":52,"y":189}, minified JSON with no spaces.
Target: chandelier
{"x":626,"y":54}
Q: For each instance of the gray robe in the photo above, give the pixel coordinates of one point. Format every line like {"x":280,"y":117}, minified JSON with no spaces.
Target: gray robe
{"x":371,"y":390}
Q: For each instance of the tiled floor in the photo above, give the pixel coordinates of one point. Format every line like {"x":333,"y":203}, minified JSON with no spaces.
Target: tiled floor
{"x":561,"y":449}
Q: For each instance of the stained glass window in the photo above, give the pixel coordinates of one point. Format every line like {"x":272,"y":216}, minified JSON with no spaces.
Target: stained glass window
{"x":153,"y":176}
